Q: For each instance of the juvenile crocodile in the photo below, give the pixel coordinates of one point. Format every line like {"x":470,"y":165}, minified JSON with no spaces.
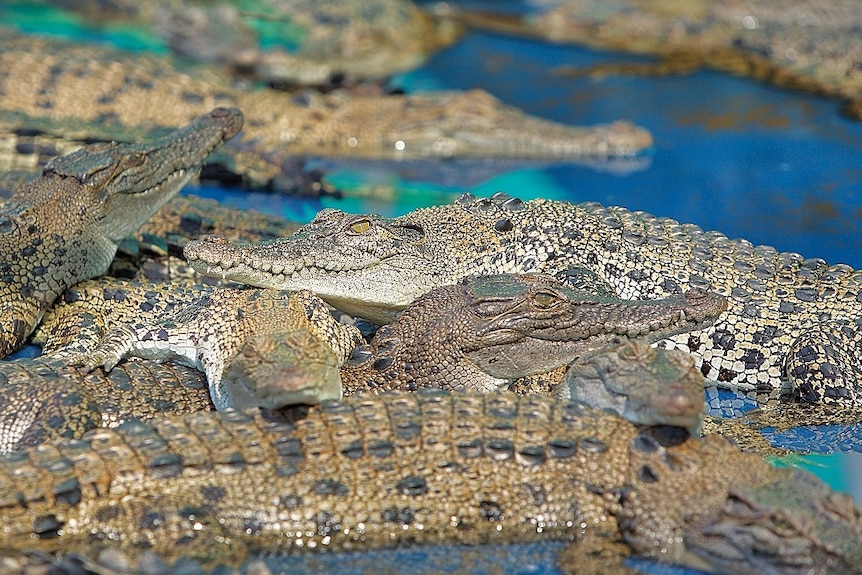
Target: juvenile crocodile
{"x":373,"y":267}
{"x":207,"y":330}
{"x":479,"y":334}
{"x":643,"y":384}
{"x":49,"y":395}
{"x":76,"y":92}
{"x":64,"y":226}
{"x":403,"y":469}
{"x":483,"y":333}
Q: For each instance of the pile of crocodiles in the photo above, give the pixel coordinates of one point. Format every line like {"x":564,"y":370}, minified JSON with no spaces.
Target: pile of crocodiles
{"x":600,"y":447}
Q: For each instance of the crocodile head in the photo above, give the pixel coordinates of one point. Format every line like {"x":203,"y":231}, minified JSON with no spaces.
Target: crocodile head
{"x":795,"y":525}
{"x":64,"y":226}
{"x":547,"y":325}
{"x":487,"y":331}
{"x":749,"y":517}
{"x":644,"y":384}
{"x":126,"y":183}
{"x":285,"y":368}
{"x":365,"y":265}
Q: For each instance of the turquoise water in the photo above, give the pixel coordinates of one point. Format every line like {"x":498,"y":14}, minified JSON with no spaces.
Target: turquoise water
{"x":732,"y":155}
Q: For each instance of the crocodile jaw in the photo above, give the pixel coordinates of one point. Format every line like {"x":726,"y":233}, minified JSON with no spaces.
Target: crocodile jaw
{"x":376,"y":288}
{"x":145,"y":176}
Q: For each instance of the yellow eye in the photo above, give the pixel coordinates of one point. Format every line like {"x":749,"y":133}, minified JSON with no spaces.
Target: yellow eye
{"x":545,"y":299}
{"x":361,"y":226}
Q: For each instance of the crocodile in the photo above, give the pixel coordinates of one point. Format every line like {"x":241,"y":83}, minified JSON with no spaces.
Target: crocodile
{"x":303,"y":42}
{"x":58,"y":394}
{"x":67,"y":93}
{"x":644,"y":384}
{"x":207,"y":330}
{"x":486,"y":332}
{"x":479,"y":334}
{"x":373,"y":267}
{"x":402,"y":469}
{"x":794,"y":44}
{"x":64,"y":226}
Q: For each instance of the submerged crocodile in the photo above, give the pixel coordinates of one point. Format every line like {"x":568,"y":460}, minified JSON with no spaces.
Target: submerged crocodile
{"x":423,"y":468}
{"x":69,"y":93}
{"x":64,"y":226}
{"x":796,"y":44}
{"x":778,"y":303}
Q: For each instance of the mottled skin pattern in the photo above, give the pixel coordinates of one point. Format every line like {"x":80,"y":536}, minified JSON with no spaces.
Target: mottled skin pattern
{"x":643,"y":384}
{"x":208,"y":331}
{"x":45,"y":397}
{"x":480,"y":334}
{"x":53,"y":395}
{"x":64,"y":226}
{"x":92,"y":91}
{"x":796,"y":44}
{"x":373,"y":267}
{"x":485,"y":332}
{"x":399,"y":469}
{"x":48,"y":396}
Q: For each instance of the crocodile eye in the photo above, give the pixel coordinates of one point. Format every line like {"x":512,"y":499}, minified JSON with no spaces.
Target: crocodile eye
{"x":545,"y":299}
{"x":361,"y":226}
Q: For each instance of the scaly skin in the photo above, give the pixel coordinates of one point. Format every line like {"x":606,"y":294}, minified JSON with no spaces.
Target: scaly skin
{"x":91,"y":91}
{"x":45,"y":398}
{"x":373,"y":267}
{"x":201,"y":326}
{"x":484,"y":332}
{"x":643,"y":384}
{"x":208,"y":331}
{"x":423,"y":468}
{"x":64,"y":226}
{"x":480,"y":334}
{"x":52,"y":395}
